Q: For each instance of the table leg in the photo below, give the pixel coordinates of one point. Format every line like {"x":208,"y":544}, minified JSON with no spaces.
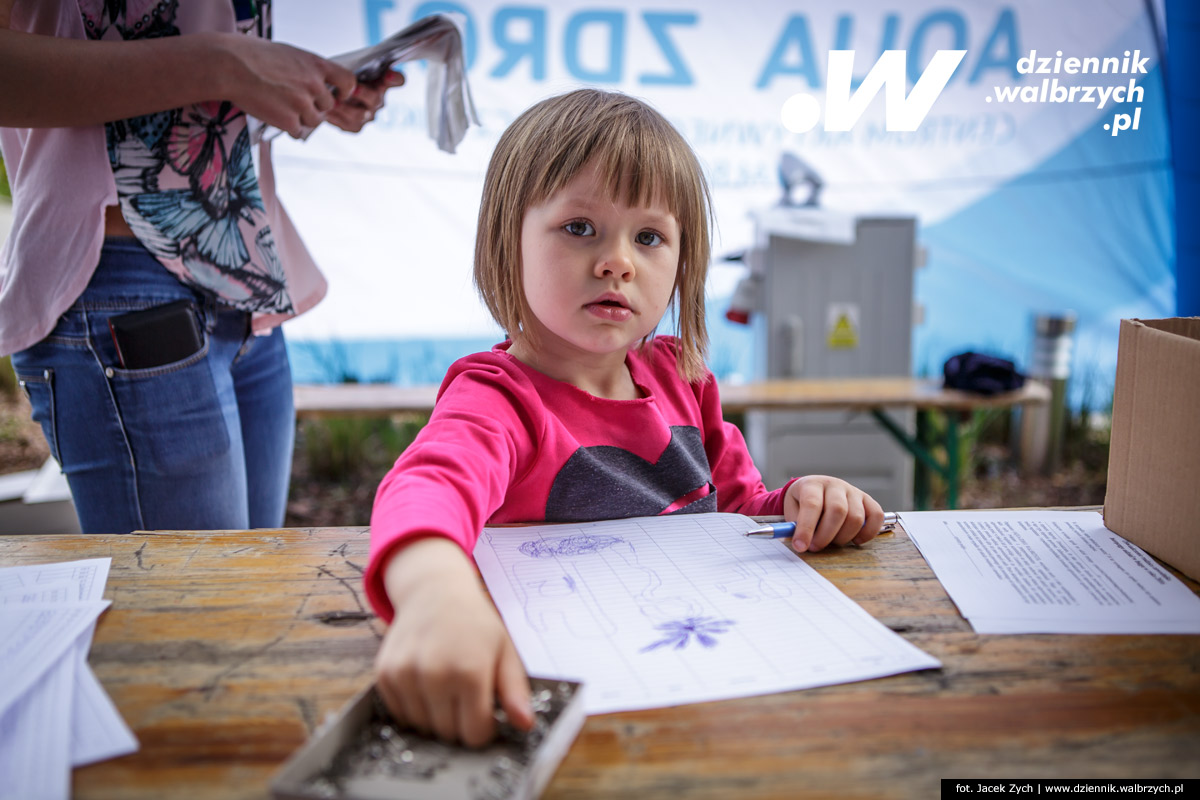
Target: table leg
{"x":952,"y":470}
{"x":921,"y":485}
{"x":918,"y":446}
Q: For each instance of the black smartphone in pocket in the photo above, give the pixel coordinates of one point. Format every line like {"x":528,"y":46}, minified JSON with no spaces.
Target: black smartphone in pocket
{"x":156,"y":336}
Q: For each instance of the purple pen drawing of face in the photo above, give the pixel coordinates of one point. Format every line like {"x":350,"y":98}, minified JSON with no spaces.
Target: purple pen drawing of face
{"x":679,"y":633}
{"x":578,"y":545}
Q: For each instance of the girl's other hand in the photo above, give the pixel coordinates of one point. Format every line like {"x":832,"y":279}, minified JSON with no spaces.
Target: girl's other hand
{"x":828,"y":511}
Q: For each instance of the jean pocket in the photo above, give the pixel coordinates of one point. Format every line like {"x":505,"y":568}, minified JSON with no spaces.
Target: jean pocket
{"x":39,"y":388}
{"x":172,"y":415}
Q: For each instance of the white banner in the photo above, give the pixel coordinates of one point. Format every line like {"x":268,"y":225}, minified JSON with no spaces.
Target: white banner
{"x":1039,"y":174}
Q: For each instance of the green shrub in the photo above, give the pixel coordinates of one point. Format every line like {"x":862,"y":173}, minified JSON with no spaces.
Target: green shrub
{"x":8,"y":379}
{"x":341,"y":449}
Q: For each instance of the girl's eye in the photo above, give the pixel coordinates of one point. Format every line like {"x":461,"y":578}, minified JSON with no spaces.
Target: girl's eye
{"x":649,"y":239}
{"x":579,"y":228}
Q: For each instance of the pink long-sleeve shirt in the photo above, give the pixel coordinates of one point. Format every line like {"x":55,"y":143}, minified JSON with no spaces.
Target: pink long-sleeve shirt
{"x":506,"y":443}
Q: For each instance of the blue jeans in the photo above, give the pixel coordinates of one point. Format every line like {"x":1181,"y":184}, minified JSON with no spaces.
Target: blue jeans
{"x":204,"y":443}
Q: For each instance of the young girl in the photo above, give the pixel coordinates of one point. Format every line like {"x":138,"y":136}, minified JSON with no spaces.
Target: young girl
{"x":594,"y":220}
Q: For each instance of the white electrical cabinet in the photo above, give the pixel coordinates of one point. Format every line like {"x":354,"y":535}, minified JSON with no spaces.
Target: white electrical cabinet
{"x":835,"y":301}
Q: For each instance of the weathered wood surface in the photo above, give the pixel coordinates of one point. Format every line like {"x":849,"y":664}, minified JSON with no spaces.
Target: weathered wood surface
{"x":224,"y":650}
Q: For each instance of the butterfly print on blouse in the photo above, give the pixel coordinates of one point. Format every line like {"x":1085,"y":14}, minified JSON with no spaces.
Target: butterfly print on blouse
{"x":200,"y":224}
{"x":131,"y":19}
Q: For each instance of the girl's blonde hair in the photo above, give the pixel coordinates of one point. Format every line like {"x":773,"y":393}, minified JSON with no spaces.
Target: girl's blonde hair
{"x":639,"y":156}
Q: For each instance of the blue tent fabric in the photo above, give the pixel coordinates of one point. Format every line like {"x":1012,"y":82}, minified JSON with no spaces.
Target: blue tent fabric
{"x":1183,"y":68}
{"x":1027,"y":205}
{"x":1020,"y":248}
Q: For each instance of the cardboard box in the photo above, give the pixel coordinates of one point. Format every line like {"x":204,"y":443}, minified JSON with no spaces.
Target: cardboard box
{"x":359,"y":755}
{"x":1153,"y":492}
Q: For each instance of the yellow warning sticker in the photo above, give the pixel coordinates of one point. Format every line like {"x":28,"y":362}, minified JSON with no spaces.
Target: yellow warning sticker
{"x":843,"y":327}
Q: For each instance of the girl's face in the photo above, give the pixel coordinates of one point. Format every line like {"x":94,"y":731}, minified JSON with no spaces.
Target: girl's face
{"x":598,"y":275}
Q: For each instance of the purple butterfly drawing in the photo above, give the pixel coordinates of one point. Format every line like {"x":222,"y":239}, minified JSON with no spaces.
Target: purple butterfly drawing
{"x":681,"y":632}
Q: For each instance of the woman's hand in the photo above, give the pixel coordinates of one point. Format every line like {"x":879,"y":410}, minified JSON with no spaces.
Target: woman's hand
{"x":292,"y":89}
{"x":352,"y":113}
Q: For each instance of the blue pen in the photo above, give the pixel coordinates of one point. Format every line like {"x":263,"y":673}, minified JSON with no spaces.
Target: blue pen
{"x":784,"y":530}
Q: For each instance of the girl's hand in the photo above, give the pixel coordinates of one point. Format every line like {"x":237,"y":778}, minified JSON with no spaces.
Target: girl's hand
{"x":447,"y":656}
{"x":360,"y":107}
{"x":830,"y":511}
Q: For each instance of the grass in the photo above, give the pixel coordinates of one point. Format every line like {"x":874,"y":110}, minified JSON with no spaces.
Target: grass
{"x":22,"y":445}
{"x":339,"y":462}
{"x":353,"y":447}
{"x":992,"y":477}
{"x":8,"y":379}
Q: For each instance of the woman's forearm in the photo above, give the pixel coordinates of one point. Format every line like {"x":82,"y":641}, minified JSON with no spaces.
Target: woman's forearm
{"x":52,"y":82}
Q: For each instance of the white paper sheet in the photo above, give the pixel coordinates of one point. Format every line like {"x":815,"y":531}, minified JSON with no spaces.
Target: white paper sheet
{"x":87,"y":576}
{"x":58,"y":714}
{"x":34,"y":735}
{"x":661,"y":611}
{"x":1049,"y":572}
{"x":98,"y":731}
{"x":34,"y":637}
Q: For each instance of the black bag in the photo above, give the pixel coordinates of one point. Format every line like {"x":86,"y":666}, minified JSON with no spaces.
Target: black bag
{"x":981,"y":374}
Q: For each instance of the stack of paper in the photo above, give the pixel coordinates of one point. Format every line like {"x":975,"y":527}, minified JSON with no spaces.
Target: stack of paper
{"x":54,"y":715}
{"x":1049,"y":572}
{"x":438,"y":39}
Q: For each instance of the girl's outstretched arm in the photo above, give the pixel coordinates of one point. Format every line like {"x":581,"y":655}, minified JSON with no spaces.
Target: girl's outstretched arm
{"x":447,"y":657}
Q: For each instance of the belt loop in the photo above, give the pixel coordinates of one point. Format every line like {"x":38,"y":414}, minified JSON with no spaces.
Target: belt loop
{"x":247,"y":337}
{"x":208,"y":309}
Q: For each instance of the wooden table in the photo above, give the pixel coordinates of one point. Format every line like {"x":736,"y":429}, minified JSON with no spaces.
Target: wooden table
{"x":224,"y":650}
{"x":850,"y":394}
{"x":875,"y":396}
{"x":867,"y":394}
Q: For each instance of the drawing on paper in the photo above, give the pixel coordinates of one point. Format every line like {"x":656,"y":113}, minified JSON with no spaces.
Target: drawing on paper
{"x":577,"y":545}
{"x":751,"y":583}
{"x":562,"y":586}
{"x":678,"y":609}
{"x":679,"y":633}
{"x":552,"y":583}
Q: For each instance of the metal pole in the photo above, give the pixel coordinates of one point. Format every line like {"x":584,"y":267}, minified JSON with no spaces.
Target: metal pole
{"x":1051,"y":364}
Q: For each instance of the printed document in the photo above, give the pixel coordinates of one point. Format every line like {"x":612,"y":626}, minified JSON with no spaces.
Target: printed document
{"x":1049,"y":572}
{"x":662,"y":611}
